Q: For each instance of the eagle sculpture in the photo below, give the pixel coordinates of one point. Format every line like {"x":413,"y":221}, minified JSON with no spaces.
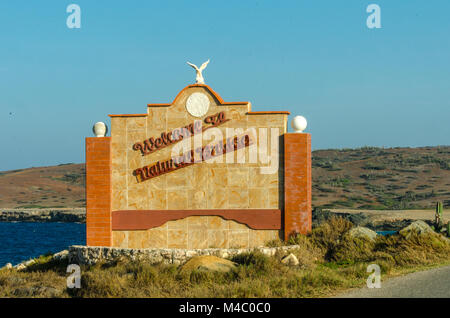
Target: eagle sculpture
{"x":199,"y":78}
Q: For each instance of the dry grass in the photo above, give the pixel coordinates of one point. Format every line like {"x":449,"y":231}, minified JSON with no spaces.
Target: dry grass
{"x":330,"y":261}
{"x":45,"y":278}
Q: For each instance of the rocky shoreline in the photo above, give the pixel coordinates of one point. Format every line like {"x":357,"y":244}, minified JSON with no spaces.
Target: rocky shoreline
{"x":90,"y":255}
{"x":73,"y":215}
{"x":78,"y":215}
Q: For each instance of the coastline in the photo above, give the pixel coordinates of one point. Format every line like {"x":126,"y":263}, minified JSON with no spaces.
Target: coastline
{"x":374,"y":219}
{"x":72,"y":215}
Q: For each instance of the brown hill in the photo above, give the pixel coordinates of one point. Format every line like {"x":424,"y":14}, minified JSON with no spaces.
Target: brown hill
{"x":43,"y":187}
{"x":364,"y":178}
{"x":379,"y":178}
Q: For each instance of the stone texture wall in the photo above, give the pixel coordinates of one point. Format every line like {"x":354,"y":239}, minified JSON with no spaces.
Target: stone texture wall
{"x":200,"y":186}
{"x":89,"y":255}
{"x":196,"y":232}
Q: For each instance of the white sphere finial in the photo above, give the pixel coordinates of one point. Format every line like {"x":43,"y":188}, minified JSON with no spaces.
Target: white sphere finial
{"x":100,"y":129}
{"x":299,"y":124}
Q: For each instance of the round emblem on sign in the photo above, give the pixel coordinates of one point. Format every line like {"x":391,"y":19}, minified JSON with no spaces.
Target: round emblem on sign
{"x":197,"y":104}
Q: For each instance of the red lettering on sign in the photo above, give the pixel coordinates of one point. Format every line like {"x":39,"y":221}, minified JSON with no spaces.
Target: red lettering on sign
{"x":168,"y":138}
{"x":187,"y":159}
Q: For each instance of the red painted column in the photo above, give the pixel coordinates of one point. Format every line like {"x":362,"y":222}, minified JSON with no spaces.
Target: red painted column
{"x":297,"y":184}
{"x":98,"y":191}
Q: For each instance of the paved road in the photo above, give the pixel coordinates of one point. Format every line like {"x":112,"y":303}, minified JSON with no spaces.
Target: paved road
{"x":434,"y":283}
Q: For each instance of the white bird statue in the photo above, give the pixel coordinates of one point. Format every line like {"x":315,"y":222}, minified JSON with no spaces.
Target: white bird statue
{"x":199,"y":78}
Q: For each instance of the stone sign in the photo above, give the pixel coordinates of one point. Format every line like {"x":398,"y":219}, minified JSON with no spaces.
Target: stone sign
{"x":197,"y":173}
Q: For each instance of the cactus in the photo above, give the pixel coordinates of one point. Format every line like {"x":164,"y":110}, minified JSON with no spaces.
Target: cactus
{"x":438,"y":216}
{"x":448,"y":229}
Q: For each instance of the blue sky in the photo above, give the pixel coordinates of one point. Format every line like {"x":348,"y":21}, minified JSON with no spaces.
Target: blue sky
{"x":356,"y":86}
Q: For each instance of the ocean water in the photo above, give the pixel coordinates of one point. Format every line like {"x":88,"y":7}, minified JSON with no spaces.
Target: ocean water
{"x":20,"y":241}
{"x":385,"y":233}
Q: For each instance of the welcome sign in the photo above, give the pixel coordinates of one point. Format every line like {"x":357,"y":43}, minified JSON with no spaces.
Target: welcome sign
{"x":200,"y":154}
{"x":152,"y":144}
{"x":197,"y":173}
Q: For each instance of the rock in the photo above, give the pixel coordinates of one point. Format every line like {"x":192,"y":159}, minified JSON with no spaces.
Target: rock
{"x":320,"y":216}
{"x":20,"y":267}
{"x":362,"y":232}
{"x":208,"y":263}
{"x":268,"y":251}
{"x":7,"y":266}
{"x":61,"y":255}
{"x":29,"y":262}
{"x":420,"y":227}
{"x":223,"y":254}
{"x":390,"y":225}
{"x":290,"y":260}
{"x":89,"y":255}
{"x":43,"y":215}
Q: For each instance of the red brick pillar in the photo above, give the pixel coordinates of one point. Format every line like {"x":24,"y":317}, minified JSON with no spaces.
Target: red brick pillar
{"x":98,"y":191}
{"x":297,"y":184}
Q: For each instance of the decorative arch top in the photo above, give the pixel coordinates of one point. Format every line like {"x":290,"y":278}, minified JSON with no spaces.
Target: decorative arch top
{"x":219,"y":99}
{"x":215,"y":95}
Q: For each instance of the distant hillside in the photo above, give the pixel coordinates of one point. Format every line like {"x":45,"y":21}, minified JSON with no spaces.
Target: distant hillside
{"x":366,"y":178}
{"x":49,"y":187}
{"x":379,"y":178}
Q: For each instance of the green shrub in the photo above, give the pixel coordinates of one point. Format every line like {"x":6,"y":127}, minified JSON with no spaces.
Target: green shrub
{"x":351,"y":250}
{"x":256,"y":261}
{"x":327,"y":234}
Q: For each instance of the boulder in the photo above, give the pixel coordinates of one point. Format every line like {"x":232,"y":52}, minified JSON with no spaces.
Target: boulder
{"x":208,"y":263}
{"x":7,"y":266}
{"x":29,"y":262}
{"x":61,"y":255}
{"x":290,"y":260}
{"x":420,"y":227}
{"x":362,"y":232}
{"x":20,"y":267}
